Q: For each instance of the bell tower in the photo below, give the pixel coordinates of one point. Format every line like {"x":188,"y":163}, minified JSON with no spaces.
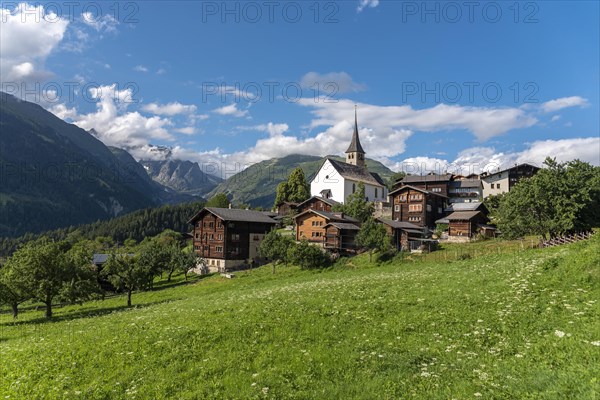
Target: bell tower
{"x":355,"y":154}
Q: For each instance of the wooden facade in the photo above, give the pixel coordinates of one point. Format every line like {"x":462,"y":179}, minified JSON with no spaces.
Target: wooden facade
{"x":341,"y":237}
{"x":311,"y":224}
{"x":401,"y":233}
{"x":228,"y":238}
{"x":287,"y":208}
{"x":417,"y":206}
{"x":465,"y":223}
{"x":432,"y":183}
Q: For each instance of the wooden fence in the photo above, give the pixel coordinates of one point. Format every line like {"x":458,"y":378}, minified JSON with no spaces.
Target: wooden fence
{"x":575,"y":237}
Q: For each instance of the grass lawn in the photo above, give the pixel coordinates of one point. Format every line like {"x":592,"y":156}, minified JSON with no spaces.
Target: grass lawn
{"x":514,"y":325}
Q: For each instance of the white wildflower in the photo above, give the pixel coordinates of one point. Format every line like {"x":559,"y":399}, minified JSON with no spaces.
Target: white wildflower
{"x":559,"y":333}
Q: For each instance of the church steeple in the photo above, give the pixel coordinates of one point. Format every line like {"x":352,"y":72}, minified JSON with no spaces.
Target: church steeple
{"x":355,"y":154}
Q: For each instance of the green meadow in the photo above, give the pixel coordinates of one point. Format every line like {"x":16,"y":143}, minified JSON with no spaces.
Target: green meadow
{"x":516,"y":324}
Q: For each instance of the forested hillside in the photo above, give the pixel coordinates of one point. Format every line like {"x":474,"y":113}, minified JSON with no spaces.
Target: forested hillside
{"x":136,"y":225}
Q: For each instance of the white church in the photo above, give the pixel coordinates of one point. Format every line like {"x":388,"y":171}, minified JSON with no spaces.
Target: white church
{"x":337,"y":180}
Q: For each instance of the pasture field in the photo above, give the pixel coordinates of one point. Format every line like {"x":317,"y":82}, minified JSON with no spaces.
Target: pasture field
{"x":516,"y":325}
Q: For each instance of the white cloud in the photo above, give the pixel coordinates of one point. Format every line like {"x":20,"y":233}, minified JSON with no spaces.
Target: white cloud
{"x":117,"y":127}
{"x":330,"y":84}
{"x":140,"y":68}
{"x":106,"y":23}
{"x":63,"y":112}
{"x":188,"y":130}
{"x":555,"y":118}
{"x":479,"y":159}
{"x":231,"y":110}
{"x":564,"y":102}
{"x":585,"y":149}
{"x":161,"y":71}
{"x":482,"y":122}
{"x":366,"y":4}
{"x":169,"y":109}
{"x":271,"y":128}
{"x":29,"y":35}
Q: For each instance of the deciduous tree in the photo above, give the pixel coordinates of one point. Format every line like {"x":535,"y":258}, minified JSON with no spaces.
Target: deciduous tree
{"x":294,"y":189}
{"x":307,"y":256}
{"x":356,"y":205}
{"x":274,"y":247}
{"x":219,"y":200}
{"x":560,"y":198}
{"x":47,"y":270}
{"x":126,"y":272}
{"x":372,"y":236}
{"x":185,"y":260}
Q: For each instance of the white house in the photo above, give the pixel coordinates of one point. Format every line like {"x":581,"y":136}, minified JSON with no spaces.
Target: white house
{"x":499,"y":182}
{"x":337,"y":180}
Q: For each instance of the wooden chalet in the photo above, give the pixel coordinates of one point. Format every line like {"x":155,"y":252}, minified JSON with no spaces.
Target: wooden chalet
{"x":228,"y":239}
{"x":340,"y":236}
{"x":311,"y":224}
{"x":404,"y":235}
{"x":287,"y":208}
{"x":435,"y":183}
{"x":418,"y":206}
{"x":466,"y":224}
{"x":317,"y":203}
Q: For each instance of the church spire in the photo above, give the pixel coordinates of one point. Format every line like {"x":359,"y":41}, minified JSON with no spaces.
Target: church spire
{"x":355,"y":154}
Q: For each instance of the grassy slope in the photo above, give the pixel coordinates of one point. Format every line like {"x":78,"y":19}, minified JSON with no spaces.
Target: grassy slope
{"x":487,"y":326}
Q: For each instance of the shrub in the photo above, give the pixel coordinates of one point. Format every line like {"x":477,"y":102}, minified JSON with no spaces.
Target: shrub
{"x":307,"y":256}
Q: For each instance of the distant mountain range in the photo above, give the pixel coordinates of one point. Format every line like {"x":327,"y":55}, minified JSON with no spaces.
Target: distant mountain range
{"x":56,"y":174}
{"x":184,"y":177}
{"x":257,"y":184}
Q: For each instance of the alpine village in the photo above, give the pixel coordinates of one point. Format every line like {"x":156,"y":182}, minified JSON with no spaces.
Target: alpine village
{"x":192,"y":289}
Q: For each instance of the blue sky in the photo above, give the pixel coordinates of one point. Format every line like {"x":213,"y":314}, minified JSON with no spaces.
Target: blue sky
{"x":426,"y":77}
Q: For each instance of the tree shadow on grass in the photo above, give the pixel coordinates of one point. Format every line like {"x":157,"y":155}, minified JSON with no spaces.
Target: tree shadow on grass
{"x":85,"y":313}
{"x":385,"y":257}
{"x":164,"y":284}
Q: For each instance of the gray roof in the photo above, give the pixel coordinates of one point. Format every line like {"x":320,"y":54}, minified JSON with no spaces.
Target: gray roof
{"x":331,"y":202}
{"x":417,"y":189}
{"x":490,"y":173}
{"x":100,"y":258}
{"x":356,"y":173}
{"x":400,"y":224}
{"x":355,"y":146}
{"x":344,"y":225}
{"x":331,"y":216}
{"x":466,"y":207}
{"x":233,"y":214}
{"x":466,"y":183}
{"x":426,"y":178}
{"x":463,"y":215}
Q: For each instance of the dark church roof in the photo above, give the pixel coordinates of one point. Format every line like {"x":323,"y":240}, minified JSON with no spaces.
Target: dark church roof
{"x":355,"y":146}
{"x":356,"y":173}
